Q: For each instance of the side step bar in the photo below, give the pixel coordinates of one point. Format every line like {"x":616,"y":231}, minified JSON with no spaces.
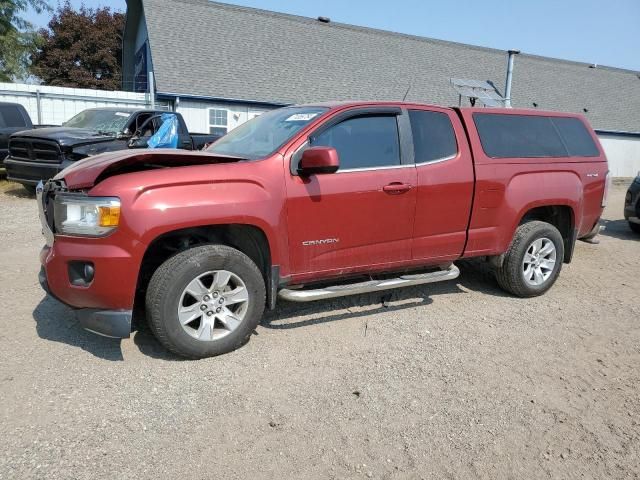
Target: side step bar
{"x":310,"y":295}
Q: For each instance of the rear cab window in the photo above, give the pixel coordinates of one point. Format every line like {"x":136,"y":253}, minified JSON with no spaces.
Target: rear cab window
{"x":11,"y":116}
{"x":433,"y":136}
{"x":533,"y":136}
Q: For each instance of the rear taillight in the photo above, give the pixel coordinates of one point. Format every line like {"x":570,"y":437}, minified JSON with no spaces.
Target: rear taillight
{"x":607,"y":187}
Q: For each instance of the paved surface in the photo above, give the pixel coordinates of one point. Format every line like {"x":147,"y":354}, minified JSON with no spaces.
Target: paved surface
{"x":452,"y":380}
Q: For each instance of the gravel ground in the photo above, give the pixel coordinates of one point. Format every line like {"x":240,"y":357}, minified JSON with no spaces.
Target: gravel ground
{"x":452,"y":380}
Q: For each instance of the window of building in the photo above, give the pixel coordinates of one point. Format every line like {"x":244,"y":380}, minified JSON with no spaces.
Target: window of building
{"x":433,"y":136}
{"x":218,"y":123}
{"x":513,"y":136}
{"x":363,"y":142}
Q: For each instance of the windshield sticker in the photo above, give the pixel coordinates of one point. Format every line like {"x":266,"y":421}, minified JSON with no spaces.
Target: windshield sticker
{"x":122,"y":114}
{"x":301,"y":117}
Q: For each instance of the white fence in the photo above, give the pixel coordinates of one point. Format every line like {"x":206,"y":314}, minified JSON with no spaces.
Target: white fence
{"x":54,"y":105}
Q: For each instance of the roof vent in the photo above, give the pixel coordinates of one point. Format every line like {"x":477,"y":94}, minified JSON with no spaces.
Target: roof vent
{"x":324,"y":19}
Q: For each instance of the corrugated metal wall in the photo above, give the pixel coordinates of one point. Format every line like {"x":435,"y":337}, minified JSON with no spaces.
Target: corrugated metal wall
{"x":59,"y":104}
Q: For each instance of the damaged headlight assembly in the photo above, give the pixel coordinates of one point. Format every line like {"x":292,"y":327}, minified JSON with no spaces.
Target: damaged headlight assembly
{"x":85,"y":216}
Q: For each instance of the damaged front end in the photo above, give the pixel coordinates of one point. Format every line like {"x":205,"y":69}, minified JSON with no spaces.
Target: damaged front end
{"x":91,"y":171}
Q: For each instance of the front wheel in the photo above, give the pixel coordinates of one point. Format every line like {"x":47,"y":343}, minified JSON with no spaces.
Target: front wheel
{"x":534,"y":259}
{"x":205,"y":301}
{"x":635,"y":227}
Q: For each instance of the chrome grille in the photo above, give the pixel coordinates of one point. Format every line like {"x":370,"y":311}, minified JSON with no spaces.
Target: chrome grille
{"x":35,"y":150}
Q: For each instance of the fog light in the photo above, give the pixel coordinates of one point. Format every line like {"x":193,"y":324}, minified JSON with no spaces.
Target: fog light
{"x":81,"y":273}
{"x":89,"y":272}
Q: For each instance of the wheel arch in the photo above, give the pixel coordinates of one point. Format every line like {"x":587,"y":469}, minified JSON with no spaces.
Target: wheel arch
{"x":554,"y":197}
{"x":560,"y":216}
{"x":247,"y":238}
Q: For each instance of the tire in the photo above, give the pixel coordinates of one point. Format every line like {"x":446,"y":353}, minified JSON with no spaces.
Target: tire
{"x":184,"y":279}
{"x":635,"y":227}
{"x":512,"y":275}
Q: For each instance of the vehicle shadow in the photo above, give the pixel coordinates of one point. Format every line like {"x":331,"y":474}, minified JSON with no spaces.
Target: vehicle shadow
{"x":618,"y":229}
{"x":18,"y":192}
{"x":57,"y":323}
{"x":148,"y":344}
{"x":475,"y":275}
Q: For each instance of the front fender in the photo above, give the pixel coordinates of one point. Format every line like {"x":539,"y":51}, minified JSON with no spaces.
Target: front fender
{"x":156,"y":202}
{"x":178,"y":206}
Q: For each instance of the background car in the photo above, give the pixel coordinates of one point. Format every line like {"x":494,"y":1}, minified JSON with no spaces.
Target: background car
{"x":632,"y":205}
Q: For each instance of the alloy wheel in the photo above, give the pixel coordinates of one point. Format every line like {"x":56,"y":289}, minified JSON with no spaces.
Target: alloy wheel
{"x":213,"y":305}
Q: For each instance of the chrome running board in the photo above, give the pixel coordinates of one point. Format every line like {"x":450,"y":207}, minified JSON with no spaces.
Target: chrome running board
{"x":309,"y":295}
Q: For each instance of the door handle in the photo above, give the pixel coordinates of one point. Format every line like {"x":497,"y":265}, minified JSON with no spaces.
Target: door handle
{"x":396,"y":188}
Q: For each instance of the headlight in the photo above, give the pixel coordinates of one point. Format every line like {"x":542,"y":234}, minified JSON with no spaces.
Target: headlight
{"x":86,"y":216}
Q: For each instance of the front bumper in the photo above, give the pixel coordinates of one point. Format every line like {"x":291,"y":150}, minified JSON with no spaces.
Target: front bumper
{"x":30,"y":173}
{"x":109,"y":323}
{"x":104,"y":304}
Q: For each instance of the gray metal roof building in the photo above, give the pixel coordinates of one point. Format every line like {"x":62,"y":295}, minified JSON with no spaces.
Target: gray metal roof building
{"x":214,"y":50}
{"x":221,"y":65}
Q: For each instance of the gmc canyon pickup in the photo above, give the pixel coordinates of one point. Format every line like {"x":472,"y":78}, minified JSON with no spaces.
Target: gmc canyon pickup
{"x":40,"y":154}
{"x":314,"y":202}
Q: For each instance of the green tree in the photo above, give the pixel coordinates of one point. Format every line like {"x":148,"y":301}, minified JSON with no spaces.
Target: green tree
{"x":17,"y":37}
{"x":81,"y":49}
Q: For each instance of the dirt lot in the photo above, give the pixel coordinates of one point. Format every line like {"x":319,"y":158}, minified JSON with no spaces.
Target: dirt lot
{"x":452,"y":380}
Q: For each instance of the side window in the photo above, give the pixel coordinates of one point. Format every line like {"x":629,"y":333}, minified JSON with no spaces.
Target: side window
{"x":433,"y":136}
{"x":518,"y":136}
{"x":140,"y":119}
{"x":576,"y":137}
{"x":363,"y":142}
{"x":10,"y":116}
{"x":218,"y":121}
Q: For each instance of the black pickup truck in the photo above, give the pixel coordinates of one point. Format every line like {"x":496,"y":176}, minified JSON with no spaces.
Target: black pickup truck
{"x":36,"y":155}
{"x":13,"y":118}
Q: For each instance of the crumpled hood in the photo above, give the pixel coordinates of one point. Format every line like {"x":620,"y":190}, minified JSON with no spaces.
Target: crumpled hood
{"x":66,"y":136}
{"x":90,"y":171}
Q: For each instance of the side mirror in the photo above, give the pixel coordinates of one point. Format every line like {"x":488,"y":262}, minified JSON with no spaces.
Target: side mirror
{"x":319,"y":160}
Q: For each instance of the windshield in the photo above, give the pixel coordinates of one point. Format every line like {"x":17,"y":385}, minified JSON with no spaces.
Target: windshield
{"x":262,"y":136}
{"x":102,"y":121}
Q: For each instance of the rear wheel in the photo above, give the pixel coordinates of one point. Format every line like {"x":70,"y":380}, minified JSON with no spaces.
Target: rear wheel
{"x":205,"y":301}
{"x":635,"y":227}
{"x":534,"y":260}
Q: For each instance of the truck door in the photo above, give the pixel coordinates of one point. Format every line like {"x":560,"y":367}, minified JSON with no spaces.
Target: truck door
{"x":362,"y":215}
{"x":445,"y":184}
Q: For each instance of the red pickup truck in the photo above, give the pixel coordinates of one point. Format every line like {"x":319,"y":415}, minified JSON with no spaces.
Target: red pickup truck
{"x":313,"y":202}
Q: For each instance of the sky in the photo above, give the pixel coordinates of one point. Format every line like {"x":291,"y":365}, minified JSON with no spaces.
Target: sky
{"x":592,"y":31}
